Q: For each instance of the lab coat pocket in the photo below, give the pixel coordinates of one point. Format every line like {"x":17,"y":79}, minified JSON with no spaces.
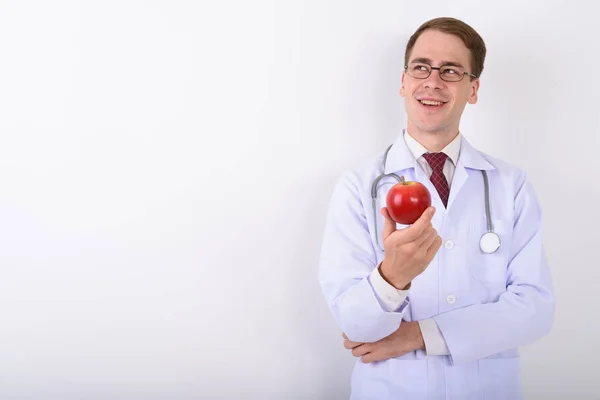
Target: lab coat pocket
{"x":484,"y":267}
{"x":499,"y":378}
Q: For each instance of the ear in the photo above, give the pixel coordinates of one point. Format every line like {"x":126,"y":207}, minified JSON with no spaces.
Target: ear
{"x":402,"y":88}
{"x":474,"y":89}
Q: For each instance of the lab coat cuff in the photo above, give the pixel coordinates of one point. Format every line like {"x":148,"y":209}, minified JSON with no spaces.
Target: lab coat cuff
{"x":390,"y":298}
{"x":435,"y":344}
{"x":363,"y":319}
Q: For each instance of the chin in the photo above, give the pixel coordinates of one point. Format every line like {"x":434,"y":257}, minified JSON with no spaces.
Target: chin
{"x":431,"y":126}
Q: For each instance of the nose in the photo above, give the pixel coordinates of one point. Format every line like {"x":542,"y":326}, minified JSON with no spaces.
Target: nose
{"x":434,"y":81}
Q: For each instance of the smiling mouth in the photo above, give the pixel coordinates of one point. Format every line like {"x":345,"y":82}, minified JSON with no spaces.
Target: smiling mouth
{"x":431,"y":103}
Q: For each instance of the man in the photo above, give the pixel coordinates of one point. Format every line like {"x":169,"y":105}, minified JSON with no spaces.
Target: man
{"x":437,"y":313}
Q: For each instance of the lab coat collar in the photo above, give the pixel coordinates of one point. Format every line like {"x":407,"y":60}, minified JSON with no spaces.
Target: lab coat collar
{"x":471,"y":158}
{"x":400,"y":156}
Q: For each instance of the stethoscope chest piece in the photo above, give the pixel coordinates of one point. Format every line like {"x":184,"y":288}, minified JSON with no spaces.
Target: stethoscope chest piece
{"x":489,"y":242}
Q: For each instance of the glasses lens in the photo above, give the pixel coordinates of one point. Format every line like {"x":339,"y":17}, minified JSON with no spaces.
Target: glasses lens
{"x":419,"y":71}
{"x":452,"y":73}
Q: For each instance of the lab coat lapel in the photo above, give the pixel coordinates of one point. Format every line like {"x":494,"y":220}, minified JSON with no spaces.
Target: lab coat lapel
{"x":469,"y":159}
{"x":459,"y":179}
{"x":399,"y":157}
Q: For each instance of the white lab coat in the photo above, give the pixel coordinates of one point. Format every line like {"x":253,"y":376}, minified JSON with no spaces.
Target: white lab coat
{"x":485,"y":305}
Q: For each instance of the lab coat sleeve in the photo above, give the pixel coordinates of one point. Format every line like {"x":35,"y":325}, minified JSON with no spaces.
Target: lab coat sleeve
{"x":524,"y":312}
{"x":346,"y":263}
{"x":390,"y":298}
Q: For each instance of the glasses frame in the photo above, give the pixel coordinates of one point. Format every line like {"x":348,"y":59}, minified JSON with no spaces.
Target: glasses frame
{"x":431,"y":68}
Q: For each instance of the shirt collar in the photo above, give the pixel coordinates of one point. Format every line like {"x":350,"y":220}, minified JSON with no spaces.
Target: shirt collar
{"x":452,"y":149}
{"x":400,"y":157}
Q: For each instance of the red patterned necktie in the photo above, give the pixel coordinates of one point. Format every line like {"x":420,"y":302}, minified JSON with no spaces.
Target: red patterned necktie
{"x":436,"y":161}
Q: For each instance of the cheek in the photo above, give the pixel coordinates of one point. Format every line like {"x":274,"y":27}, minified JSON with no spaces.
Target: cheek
{"x":405,"y":90}
{"x":461,"y":98}
{"x":409,"y":88}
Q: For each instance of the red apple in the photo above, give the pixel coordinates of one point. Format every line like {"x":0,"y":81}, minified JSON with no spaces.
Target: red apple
{"x":407,"y":200}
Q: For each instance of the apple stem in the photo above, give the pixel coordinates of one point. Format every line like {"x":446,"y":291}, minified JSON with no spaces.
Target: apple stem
{"x":402,"y":179}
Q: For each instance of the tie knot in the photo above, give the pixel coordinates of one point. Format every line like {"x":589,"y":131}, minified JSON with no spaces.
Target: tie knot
{"x":436,"y":160}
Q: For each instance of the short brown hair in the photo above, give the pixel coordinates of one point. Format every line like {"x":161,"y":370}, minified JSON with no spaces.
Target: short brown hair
{"x":472,"y":40}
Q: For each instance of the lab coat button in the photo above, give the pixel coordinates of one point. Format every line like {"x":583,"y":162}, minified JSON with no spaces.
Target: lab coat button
{"x":449,"y":244}
{"x":451,"y":299}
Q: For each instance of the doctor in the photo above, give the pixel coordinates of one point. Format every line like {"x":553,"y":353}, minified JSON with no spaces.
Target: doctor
{"x":440,"y":313}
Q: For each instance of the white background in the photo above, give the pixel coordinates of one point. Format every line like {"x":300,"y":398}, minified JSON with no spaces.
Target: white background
{"x":165,"y":168}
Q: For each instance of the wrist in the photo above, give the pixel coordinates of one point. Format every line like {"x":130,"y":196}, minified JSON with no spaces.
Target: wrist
{"x":418,"y":341}
{"x":399,"y":282}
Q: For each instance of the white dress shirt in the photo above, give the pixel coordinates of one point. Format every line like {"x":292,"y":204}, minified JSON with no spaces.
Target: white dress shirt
{"x":392,"y":298}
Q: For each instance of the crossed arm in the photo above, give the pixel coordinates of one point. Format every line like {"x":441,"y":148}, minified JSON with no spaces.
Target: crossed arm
{"x":405,"y":339}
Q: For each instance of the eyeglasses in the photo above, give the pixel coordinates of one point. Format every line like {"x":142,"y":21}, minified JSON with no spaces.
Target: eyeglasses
{"x":448,"y":73}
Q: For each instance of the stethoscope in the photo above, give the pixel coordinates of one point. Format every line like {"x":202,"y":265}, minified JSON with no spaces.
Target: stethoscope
{"x":489,"y":242}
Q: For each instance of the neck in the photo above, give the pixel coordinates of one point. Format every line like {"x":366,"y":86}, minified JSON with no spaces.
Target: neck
{"x":434,"y":141}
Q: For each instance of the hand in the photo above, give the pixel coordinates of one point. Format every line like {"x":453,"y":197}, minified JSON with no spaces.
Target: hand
{"x":408,"y":251}
{"x":405,"y":339}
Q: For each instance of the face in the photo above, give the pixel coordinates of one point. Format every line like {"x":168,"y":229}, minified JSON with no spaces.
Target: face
{"x":447,"y":100}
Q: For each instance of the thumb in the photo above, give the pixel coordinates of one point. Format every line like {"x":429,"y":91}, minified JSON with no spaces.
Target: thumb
{"x":389,"y":226}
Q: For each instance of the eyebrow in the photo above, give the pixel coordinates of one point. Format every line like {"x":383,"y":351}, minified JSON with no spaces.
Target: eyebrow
{"x":430,"y":62}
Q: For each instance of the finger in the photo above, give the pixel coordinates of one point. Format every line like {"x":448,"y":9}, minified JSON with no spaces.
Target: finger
{"x":389,"y":225}
{"x":435,"y":246}
{"x":360,"y":350}
{"x":373,"y":356}
{"x":425,"y":236}
{"x":351,"y":345}
{"x":428,"y":239}
{"x":369,"y":358}
{"x":421,"y":224}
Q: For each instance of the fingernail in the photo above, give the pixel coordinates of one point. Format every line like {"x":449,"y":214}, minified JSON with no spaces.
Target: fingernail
{"x":432,"y":211}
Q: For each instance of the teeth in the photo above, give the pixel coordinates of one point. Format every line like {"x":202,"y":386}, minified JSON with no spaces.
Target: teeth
{"x":431,"y":103}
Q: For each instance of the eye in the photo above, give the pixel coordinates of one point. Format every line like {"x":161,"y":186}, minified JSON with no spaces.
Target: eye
{"x":420,"y":67}
{"x":450,"y":71}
